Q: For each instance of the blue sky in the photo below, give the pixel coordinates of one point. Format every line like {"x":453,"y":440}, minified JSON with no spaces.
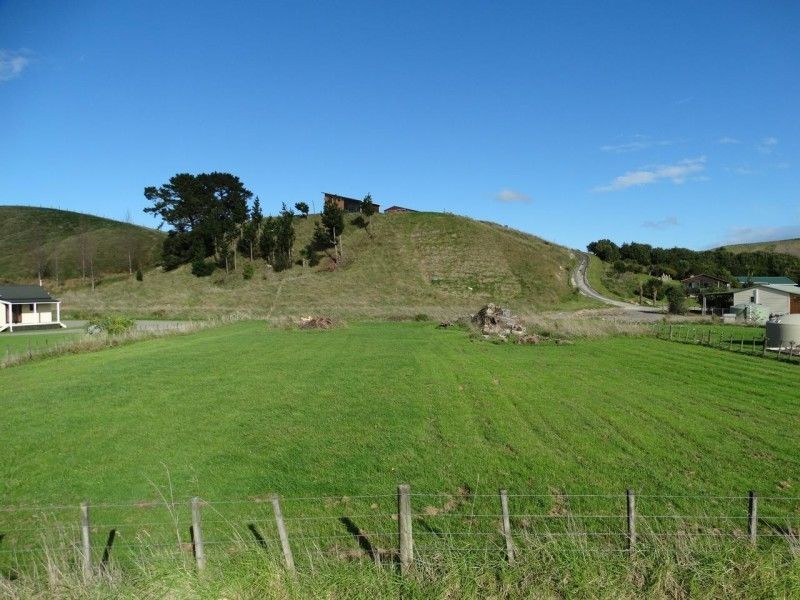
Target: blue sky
{"x":676,"y":123}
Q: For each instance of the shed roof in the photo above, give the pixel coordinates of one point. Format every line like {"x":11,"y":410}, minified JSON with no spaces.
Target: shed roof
{"x":764,"y":279}
{"x":22,"y":294}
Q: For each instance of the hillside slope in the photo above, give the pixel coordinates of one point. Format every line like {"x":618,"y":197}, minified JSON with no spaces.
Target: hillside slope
{"x":58,"y":238}
{"x":432,"y":263}
{"x":782,"y":246}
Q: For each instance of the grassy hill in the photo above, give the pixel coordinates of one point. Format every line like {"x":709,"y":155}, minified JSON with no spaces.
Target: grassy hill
{"x":55,"y":238}
{"x":432,"y":263}
{"x":334,"y":420}
{"x":782,"y":246}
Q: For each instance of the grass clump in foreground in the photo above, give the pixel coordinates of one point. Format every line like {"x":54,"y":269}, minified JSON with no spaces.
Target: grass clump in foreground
{"x":235,"y":413}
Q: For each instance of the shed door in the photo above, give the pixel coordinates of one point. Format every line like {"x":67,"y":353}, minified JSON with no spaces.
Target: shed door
{"x":794,"y":305}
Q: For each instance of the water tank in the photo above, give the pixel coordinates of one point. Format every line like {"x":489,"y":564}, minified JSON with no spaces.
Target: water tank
{"x":783,"y":331}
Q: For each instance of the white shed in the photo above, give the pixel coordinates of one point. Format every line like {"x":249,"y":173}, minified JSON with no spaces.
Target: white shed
{"x":778,"y":299}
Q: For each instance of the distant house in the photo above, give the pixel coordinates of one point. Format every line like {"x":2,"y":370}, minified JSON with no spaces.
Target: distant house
{"x":704,"y":282}
{"x":762,"y":280}
{"x":350,"y":205}
{"x":28,"y":307}
{"x":399,"y":209}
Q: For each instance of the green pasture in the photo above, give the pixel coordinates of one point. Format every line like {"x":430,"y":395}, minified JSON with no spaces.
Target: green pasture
{"x":333,"y":420}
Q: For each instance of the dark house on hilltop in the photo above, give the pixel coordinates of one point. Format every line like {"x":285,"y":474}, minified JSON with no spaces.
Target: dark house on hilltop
{"x":700,"y":282}
{"x":350,"y":205}
{"x":28,"y":307}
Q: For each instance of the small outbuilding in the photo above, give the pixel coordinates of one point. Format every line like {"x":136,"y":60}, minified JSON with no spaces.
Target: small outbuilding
{"x":28,"y":307}
{"x":399,"y":209}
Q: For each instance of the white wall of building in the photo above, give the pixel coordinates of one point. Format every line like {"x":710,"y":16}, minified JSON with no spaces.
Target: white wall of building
{"x":775,"y":301}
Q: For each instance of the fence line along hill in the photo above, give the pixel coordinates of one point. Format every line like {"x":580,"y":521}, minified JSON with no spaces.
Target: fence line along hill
{"x":61,"y":244}
{"x":404,"y":264}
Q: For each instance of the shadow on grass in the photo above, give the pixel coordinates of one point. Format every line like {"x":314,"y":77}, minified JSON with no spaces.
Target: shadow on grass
{"x":260,"y":540}
{"x":112,"y":535}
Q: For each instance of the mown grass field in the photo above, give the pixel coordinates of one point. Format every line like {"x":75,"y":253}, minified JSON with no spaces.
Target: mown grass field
{"x":236,"y":413}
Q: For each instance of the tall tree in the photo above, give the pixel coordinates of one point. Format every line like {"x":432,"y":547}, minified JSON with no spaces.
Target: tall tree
{"x":284,"y":240}
{"x":266,"y":240}
{"x":205,"y":212}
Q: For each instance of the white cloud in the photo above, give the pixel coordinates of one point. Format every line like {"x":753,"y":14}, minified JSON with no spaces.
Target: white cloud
{"x":510,"y":196}
{"x":12,"y":64}
{"x":635,"y":143}
{"x":747,"y":235}
{"x":767,"y":145}
{"x":677,"y":173}
{"x":662,"y":224}
{"x":728,"y":140}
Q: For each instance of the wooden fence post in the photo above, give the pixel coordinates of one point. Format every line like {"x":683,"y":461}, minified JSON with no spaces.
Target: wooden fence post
{"x":752,"y":516}
{"x":197,"y":535}
{"x":404,"y":527}
{"x":86,"y":544}
{"x":507,"y":527}
{"x":764,"y":351}
{"x":631,"y":502}
{"x":741,"y":344}
{"x":670,"y":332}
{"x":283,"y":534}
{"x":730,"y":343}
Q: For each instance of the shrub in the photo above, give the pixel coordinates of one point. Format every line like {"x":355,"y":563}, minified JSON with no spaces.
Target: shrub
{"x":248,"y":271}
{"x":139,"y":275}
{"x":421,"y":317}
{"x":676,"y":297}
{"x":201,"y":268}
{"x":111,"y":325}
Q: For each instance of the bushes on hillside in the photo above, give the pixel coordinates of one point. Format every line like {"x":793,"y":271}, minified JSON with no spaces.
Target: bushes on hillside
{"x":202,"y":268}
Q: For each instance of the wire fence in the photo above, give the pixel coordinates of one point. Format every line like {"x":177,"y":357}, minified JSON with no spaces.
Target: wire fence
{"x":402,"y":528}
{"x":742,"y":340}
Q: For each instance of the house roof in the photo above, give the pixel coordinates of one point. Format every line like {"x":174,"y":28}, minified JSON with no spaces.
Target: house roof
{"x":23,"y":294}
{"x":764,"y":279}
{"x":789,"y":289}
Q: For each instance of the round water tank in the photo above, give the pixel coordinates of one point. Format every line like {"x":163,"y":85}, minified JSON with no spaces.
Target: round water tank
{"x":783,"y":331}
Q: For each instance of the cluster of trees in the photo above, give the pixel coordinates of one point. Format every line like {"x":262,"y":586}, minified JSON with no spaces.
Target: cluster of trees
{"x":210,"y":216}
{"x":680,"y":263}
